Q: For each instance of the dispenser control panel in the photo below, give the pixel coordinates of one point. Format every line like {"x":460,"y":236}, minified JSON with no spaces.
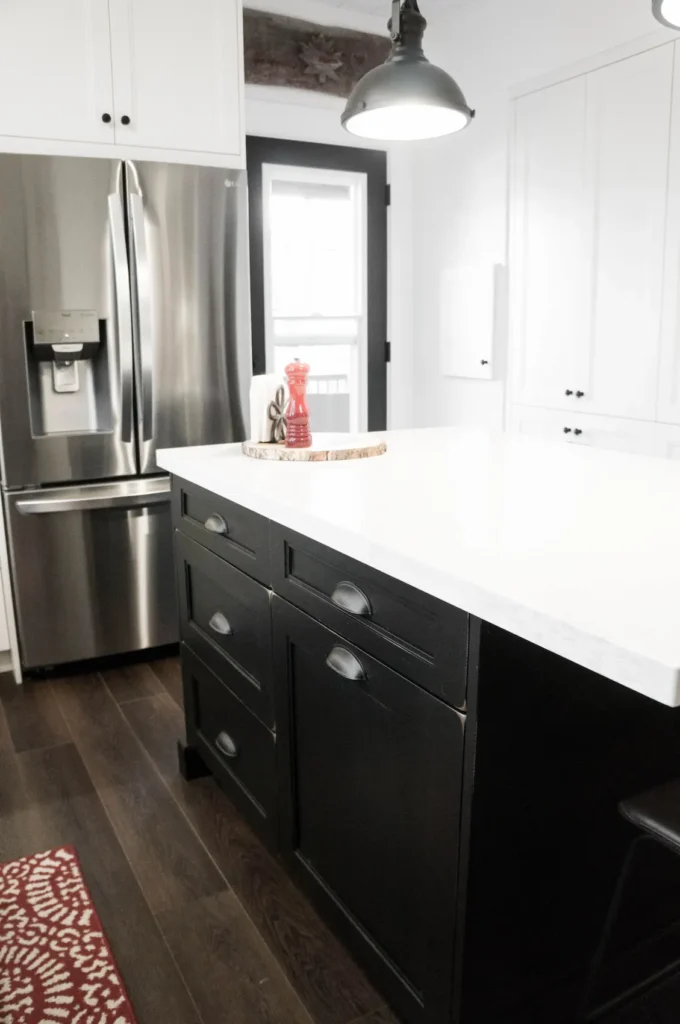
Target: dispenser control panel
{"x":62,"y":338}
{"x":67,"y":327}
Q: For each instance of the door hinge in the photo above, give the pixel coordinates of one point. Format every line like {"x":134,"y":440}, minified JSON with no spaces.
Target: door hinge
{"x":388,"y":195}
{"x":388,"y":351}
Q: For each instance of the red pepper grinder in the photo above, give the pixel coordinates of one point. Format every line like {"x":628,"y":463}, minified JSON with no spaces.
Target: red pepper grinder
{"x":297,"y":416}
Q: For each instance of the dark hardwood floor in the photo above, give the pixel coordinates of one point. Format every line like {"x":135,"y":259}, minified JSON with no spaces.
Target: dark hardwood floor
{"x":204,"y":925}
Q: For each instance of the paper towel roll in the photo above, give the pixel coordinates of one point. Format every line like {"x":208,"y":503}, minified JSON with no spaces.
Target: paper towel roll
{"x":262,"y":393}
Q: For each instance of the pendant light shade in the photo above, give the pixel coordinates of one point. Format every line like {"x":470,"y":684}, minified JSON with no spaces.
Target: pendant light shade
{"x":667,"y":12}
{"x":406,"y":98}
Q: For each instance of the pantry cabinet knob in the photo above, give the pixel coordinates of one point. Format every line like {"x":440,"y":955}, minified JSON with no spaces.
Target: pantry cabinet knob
{"x":578,"y":432}
{"x":106,"y":118}
{"x":125,"y":119}
{"x":580,"y":394}
{"x":568,"y":392}
{"x":485,"y":362}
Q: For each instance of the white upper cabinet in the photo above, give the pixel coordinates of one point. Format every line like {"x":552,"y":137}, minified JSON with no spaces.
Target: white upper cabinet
{"x":629,"y":108}
{"x":549,"y":260}
{"x":55,"y":70}
{"x":177,"y":71}
{"x":148,"y":79}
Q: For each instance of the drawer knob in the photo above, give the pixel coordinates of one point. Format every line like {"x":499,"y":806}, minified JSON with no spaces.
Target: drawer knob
{"x":580,"y":394}
{"x":226,"y":745}
{"x":216,"y":524}
{"x":348,"y":597}
{"x":567,"y":430}
{"x":346,"y":664}
{"x":568,"y":392}
{"x":220,"y":624}
{"x":578,"y":432}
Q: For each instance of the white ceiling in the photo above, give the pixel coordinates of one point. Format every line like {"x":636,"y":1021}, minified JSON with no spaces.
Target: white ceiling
{"x":384,"y":6}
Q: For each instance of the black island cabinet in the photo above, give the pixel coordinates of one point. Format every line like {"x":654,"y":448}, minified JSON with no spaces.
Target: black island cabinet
{"x":443,"y":791}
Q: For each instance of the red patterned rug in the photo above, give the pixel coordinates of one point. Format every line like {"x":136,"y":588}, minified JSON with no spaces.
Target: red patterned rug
{"x":56,"y":966}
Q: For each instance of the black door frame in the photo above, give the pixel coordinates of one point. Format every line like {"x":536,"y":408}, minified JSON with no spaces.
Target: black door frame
{"x":372,"y":163}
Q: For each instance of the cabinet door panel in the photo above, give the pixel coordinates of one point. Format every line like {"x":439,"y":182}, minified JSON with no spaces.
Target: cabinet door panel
{"x":372,"y":771}
{"x":55,"y":70}
{"x":668,"y":407}
{"x":549,"y":247}
{"x":225,"y":620}
{"x":177,"y":67}
{"x":629,"y":106}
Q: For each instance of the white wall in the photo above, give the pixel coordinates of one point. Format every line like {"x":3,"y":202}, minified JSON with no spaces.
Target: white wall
{"x":460,"y":183}
{"x":313,"y":117}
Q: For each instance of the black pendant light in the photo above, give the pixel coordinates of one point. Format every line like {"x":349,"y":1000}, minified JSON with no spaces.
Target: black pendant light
{"x":667,"y":12}
{"x":406,"y":98}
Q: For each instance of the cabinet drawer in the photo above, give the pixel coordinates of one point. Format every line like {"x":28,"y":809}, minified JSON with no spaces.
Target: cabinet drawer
{"x":237,"y":748}
{"x":416,"y":634}
{"x":225,"y":620}
{"x":232,"y":532}
{"x":371,"y":777}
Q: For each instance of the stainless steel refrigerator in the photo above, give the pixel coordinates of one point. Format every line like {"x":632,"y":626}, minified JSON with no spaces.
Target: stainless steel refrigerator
{"x":124,"y":327}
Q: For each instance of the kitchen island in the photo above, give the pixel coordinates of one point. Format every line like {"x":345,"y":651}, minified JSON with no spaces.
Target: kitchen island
{"x":427,"y":679}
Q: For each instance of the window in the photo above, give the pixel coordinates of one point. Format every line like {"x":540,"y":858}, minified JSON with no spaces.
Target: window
{"x":315,"y":273}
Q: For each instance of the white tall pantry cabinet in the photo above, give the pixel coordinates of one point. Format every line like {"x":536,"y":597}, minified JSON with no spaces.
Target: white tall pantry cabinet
{"x":595,"y":256}
{"x":151,"y":79}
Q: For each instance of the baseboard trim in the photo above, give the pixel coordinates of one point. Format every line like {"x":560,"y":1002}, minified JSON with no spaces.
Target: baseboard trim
{"x":6,"y":661}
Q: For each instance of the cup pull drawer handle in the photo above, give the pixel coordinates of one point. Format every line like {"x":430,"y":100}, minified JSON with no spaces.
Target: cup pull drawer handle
{"x":226,"y":745}
{"x":345,"y":663}
{"x":220,"y":624}
{"x":216,"y":524}
{"x":348,"y":597}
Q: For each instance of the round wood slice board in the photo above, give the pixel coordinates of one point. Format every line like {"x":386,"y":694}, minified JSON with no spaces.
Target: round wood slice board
{"x":325,"y":448}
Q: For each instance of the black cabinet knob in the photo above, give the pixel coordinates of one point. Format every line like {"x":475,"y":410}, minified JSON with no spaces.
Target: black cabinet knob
{"x":106,"y":118}
{"x":567,"y":430}
{"x":568,"y":392}
{"x":578,"y":432}
{"x":580,"y":394}
{"x":485,"y":362}
{"x":125,"y":119}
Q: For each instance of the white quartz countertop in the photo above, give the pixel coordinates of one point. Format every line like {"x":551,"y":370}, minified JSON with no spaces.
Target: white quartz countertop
{"x":574,"y":549}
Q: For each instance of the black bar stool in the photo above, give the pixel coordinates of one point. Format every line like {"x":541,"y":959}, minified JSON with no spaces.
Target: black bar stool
{"x":657,"y":814}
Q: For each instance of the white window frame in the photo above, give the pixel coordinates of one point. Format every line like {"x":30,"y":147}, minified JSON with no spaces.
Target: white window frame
{"x":358,"y":183}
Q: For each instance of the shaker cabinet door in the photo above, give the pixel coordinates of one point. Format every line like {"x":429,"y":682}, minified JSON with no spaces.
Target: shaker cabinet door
{"x":668,"y":407}
{"x":55,"y":70}
{"x":370,"y":769}
{"x":629,"y":112}
{"x":177,"y":73}
{"x":550,"y":259}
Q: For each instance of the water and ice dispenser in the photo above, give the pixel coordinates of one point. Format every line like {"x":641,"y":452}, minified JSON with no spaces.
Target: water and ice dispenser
{"x":67,"y":372}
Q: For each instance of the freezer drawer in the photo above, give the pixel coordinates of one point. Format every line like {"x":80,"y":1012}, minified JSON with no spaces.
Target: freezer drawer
{"x":92,"y":570}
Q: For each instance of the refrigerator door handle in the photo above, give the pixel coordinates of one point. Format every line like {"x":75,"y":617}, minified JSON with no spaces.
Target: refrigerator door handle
{"x":123,"y":310}
{"x":143,"y":318}
{"x":91,"y":502}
